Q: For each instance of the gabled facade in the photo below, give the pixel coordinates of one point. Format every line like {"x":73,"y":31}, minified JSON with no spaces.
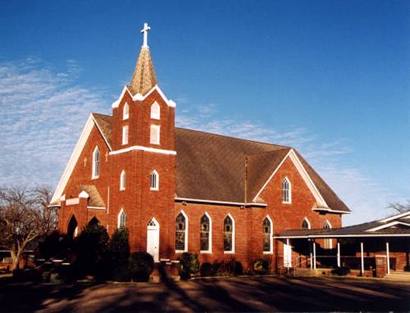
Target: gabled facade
{"x":182,"y":190}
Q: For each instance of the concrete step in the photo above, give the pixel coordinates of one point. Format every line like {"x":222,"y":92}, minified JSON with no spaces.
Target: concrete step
{"x":398,"y":275}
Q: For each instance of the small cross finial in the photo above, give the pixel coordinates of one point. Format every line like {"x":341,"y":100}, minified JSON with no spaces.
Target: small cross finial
{"x":145,"y":32}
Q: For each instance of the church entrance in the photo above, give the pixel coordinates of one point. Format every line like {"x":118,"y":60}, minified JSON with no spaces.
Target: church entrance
{"x":153,"y":239}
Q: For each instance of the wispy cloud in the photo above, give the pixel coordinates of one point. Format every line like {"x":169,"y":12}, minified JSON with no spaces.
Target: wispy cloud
{"x":43,"y":111}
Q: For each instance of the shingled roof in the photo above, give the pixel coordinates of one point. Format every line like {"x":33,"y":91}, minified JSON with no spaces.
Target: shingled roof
{"x":144,"y":77}
{"x":214,"y":167}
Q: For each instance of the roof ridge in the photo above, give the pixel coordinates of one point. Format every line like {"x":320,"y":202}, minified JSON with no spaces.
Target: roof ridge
{"x":270,"y":151}
{"x":237,"y":138}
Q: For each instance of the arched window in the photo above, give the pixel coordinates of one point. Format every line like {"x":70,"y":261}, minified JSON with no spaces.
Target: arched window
{"x":155,"y":111}
{"x":267,"y":235}
{"x":206,"y":233}
{"x":229,"y":234}
{"x":305,"y":224}
{"x":286,"y":191}
{"x":181,"y":233}
{"x":123,"y":180}
{"x":154,"y":180}
{"x":154,"y":134}
{"x":125,"y":135}
{"x":72,"y":229}
{"x":96,"y":163}
{"x":122,"y":219}
{"x":328,"y":243}
{"x":125,"y":111}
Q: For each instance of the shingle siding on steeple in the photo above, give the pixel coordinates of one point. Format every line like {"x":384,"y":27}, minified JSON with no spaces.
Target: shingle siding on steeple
{"x":144,"y":78}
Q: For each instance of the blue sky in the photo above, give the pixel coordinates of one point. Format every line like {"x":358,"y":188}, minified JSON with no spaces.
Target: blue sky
{"x":328,"y":77}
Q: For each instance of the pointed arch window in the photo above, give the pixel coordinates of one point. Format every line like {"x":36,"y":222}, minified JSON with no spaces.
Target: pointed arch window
{"x":125,"y":111}
{"x":181,"y":233}
{"x":125,"y":135}
{"x":286,"y":191}
{"x":229,"y":234}
{"x":305,"y":223}
{"x":96,"y":163}
{"x":328,"y":243}
{"x":267,"y":235}
{"x":154,"y":180}
{"x":155,"y":134}
{"x":123,"y":180}
{"x":155,"y":111}
{"x":122,"y":219}
{"x":205,"y":234}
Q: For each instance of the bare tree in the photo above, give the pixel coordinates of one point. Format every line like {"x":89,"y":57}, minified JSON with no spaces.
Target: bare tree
{"x":24,"y":217}
{"x":400,"y":207}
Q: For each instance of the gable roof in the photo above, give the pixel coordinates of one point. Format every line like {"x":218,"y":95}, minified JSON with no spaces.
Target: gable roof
{"x":219,"y":161}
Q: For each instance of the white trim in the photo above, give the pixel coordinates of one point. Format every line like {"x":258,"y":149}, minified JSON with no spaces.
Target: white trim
{"x":123,"y":180}
{"x":146,"y":149}
{"x":233,"y":234}
{"x":72,"y":201}
{"x":96,"y":207}
{"x":73,"y":158}
{"x":122,"y":211}
{"x":186,"y":232}
{"x":125,"y":111}
{"x":388,"y":219}
{"x":220,"y":202}
{"x":101,"y":132}
{"x":341,"y":236}
{"x":388,"y":225}
{"x":139,"y":97}
{"x":270,"y":235}
{"x":302,"y":171}
{"x":210,"y":234}
{"x":156,"y":188}
{"x":331,"y":210}
{"x":83,"y":194}
{"x":308,"y":222}
{"x":289,"y":190}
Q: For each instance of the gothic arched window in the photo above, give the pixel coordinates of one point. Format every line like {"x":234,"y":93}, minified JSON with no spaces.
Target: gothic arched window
{"x":286,"y":191}
{"x":96,"y":163}
{"x":122,"y":219}
{"x":267,"y":236}
{"x":206,"y":233}
{"x":154,"y":180}
{"x":305,"y":224}
{"x":181,"y":232}
{"x":125,"y":111}
{"x":229,"y":234}
{"x":155,"y":111}
{"x":123,"y":180}
{"x":328,"y":243}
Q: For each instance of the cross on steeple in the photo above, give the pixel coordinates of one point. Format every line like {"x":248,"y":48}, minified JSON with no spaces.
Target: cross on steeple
{"x":145,"y":32}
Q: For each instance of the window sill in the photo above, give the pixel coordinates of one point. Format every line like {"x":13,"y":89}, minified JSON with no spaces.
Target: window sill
{"x":95,"y":177}
{"x":154,"y":189}
{"x":229,"y":252}
{"x":181,"y":251}
{"x":286,"y":202}
{"x":267,"y":252}
{"x":205,"y":252}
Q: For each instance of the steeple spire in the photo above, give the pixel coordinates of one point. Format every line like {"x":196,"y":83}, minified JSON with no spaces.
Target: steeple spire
{"x":144,"y":77}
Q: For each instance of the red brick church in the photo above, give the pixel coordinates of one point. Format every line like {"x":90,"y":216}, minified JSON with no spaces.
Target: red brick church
{"x":180,"y":190}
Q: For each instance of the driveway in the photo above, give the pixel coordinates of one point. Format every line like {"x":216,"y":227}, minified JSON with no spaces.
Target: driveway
{"x":239,"y":294}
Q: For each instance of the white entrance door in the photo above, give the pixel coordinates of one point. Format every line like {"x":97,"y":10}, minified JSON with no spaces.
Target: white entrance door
{"x":153,"y":239}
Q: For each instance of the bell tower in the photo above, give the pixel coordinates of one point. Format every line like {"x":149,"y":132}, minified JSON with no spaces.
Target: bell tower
{"x":143,"y":146}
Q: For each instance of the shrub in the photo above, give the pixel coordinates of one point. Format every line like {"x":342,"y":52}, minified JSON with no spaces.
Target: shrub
{"x":119,"y":250}
{"x":188,"y":265}
{"x":407,"y":268}
{"x":229,"y":268}
{"x":54,"y":244}
{"x":92,"y":257}
{"x":207,"y":269}
{"x":140,"y":266}
{"x":341,"y":271}
{"x":261,"y":266}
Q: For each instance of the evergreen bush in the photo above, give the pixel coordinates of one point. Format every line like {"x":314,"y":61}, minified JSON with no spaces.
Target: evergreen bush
{"x":188,"y":265}
{"x":140,"y":266}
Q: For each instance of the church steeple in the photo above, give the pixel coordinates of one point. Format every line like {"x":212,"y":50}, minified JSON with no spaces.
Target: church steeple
{"x":144,"y":77}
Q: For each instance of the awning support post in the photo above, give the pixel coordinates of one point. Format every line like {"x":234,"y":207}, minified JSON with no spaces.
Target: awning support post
{"x":388,"y":257}
{"x":314,"y":255}
{"x":361,"y":259}
{"x":338,"y":254}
